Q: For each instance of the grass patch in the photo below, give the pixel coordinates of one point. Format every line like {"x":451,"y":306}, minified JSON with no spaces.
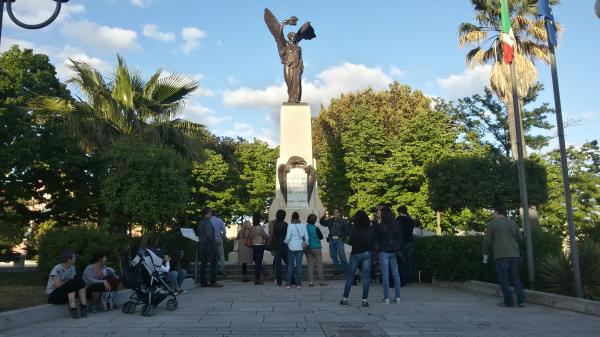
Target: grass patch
{"x":22,"y":289}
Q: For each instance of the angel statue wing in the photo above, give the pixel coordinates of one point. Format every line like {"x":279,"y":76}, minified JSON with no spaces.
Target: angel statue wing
{"x":275,"y":29}
{"x":306,"y":32}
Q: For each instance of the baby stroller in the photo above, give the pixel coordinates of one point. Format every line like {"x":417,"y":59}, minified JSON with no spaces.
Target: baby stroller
{"x":143,"y":275}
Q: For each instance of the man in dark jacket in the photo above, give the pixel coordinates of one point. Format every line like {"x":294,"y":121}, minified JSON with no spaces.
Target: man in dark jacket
{"x":207,"y":249}
{"x":502,"y":237}
{"x":408,"y":249}
{"x":338,"y":231}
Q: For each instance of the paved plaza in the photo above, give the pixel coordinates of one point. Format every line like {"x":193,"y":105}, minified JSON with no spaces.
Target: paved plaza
{"x":243,"y":309}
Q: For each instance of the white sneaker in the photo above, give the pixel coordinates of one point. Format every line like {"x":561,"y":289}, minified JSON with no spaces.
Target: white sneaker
{"x":397,"y":300}
{"x":386,"y":301}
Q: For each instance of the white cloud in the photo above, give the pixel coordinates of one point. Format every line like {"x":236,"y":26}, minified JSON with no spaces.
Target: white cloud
{"x":203,"y":115}
{"x":59,"y":57}
{"x":330,"y":83}
{"x":103,"y":38}
{"x":37,"y":11}
{"x":7,"y":43}
{"x":140,"y":3}
{"x":68,"y":53}
{"x":191,"y":37}
{"x":151,"y":31}
{"x":471,"y":81}
{"x":397,"y":72}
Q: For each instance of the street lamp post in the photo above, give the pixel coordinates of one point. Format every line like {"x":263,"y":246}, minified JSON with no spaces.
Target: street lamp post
{"x":19,"y":23}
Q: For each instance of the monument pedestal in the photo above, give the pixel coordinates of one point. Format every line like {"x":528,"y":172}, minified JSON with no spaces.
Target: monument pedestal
{"x":295,"y":147}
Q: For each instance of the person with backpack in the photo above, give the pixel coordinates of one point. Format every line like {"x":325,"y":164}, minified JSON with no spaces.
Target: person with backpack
{"x":313,"y":251}
{"x":362,"y":241}
{"x":296,"y":239}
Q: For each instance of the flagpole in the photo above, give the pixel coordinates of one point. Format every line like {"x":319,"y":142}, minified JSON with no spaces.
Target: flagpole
{"x":522,"y":178}
{"x":565,"y":170}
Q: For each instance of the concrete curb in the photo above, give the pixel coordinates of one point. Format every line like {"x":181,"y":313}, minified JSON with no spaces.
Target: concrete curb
{"x":45,"y":312}
{"x":547,"y":299}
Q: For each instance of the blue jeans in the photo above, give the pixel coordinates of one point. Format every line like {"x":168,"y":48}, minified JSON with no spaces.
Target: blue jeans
{"x":336,"y":249}
{"x":294,"y":260}
{"x":258,"y":252}
{"x":387,"y":261}
{"x":362,"y":260}
{"x":175,"y":278}
{"x":507,"y":269}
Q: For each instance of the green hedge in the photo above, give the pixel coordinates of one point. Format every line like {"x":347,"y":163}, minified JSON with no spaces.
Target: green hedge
{"x":459,"y":258}
{"x":85,"y":242}
{"x":88,"y":241}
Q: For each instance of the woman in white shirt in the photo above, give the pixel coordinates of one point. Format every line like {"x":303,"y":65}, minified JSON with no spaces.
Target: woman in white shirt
{"x":296,"y":239}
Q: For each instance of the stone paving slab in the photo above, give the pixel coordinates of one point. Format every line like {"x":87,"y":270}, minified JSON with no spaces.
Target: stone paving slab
{"x":242,"y":309}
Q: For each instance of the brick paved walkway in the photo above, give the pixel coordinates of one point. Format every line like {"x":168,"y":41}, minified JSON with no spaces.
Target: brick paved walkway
{"x":243,"y":309}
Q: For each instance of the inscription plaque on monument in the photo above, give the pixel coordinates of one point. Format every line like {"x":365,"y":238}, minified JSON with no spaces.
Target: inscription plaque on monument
{"x":297,"y":194}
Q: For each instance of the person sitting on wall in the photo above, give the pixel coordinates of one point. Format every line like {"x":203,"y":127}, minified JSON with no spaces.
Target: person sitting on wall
{"x":101,"y":281}
{"x":63,"y":285}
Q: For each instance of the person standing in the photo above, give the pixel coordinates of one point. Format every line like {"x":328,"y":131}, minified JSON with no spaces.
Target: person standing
{"x":408,"y":248}
{"x":313,"y":251}
{"x":244,"y":253}
{"x":258,"y":237}
{"x":338,"y":231}
{"x":296,"y":239}
{"x":278,"y":232}
{"x":362,"y":241}
{"x":63,"y":285}
{"x":388,"y":236}
{"x":220,"y":234}
{"x":207,"y":249}
{"x":502,"y":238}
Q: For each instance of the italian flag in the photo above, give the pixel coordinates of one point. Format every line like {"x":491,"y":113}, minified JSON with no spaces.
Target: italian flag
{"x":507,"y":37}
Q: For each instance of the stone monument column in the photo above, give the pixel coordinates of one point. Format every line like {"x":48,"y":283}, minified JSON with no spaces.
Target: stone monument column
{"x":296,"y":183}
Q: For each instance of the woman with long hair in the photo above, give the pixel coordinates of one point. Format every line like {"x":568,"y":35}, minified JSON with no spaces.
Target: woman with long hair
{"x":296,"y":239}
{"x":388,"y":236}
{"x":244,"y":253}
{"x":362,"y":241}
{"x":278,"y":247}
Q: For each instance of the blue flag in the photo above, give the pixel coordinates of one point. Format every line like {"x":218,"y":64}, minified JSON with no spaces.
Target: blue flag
{"x":545,"y":11}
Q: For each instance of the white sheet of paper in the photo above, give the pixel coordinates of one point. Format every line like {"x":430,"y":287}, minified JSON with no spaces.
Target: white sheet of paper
{"x":189,"y":233}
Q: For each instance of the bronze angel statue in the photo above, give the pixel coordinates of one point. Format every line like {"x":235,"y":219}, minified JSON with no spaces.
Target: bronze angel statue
{"x":289,"y":51}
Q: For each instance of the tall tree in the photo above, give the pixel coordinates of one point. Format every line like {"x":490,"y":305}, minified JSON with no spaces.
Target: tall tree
{"x":584,"y":174}
{"x":144,"y":184}
{"x":128,"y":106}
{"x":531,"y":45}
{"x":43,"y":173}
{"x":484,"y":115}
{"x":257,"y":163}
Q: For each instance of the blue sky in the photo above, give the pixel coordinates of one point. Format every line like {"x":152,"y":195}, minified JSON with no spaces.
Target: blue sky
{"x":226,"y":46}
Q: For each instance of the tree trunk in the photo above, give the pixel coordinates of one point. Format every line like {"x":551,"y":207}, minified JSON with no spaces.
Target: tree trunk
{"x":438,"y":220}
{"x":513,"y":132}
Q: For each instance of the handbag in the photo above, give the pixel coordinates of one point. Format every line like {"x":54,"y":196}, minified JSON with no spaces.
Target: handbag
{"x":319,"y":234}
{"x":248,"y":241}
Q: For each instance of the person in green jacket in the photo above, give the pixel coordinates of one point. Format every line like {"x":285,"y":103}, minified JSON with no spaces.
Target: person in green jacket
{"x":313,"y":251}
{"x":502,"y":238}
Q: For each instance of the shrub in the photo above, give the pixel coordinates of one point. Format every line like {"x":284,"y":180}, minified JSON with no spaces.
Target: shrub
{"x":451,"y":258}
{"x":84,"y":241}
{"x":459,"y":258}
{"x":556,"y":272}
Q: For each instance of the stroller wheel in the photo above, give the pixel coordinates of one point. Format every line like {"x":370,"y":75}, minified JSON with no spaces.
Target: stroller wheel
{"x":148,"y":310}
{"x":172,"y":304}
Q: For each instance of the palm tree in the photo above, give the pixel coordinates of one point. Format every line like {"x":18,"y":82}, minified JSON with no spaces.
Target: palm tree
{"x":530,"y":36}
{"x":127,"y":106}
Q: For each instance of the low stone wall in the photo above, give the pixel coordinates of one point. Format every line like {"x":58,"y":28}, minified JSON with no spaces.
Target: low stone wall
{"x":45,"y":312}
{"x":547,"y":299}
